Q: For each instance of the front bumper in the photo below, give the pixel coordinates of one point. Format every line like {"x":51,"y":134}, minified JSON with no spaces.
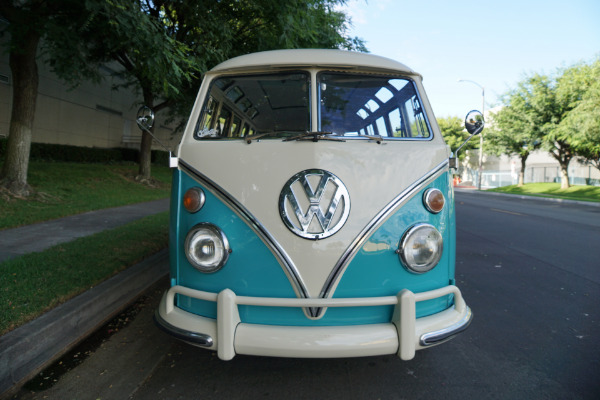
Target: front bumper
{"x":229,"y":336}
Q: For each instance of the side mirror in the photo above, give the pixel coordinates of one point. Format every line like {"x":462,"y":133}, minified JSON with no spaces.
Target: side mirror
{"x":474,"y":124}
{"x":145,"y":121}
{"x":145,"y":118}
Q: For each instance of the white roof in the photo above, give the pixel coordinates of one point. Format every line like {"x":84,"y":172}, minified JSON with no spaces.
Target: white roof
{"x":312,"y":58}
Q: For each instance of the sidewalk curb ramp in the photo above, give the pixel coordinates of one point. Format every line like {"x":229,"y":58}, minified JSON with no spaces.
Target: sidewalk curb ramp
{"x":27,"y":350}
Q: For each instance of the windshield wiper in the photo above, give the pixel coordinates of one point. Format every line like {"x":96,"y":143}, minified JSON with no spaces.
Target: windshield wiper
{"x":315,"y":137}
{"x":377,"y":138}
{"x":250,"y":138}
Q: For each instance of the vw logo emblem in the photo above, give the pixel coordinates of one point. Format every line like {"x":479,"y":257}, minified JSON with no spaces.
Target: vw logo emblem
{"x":314,"y":204}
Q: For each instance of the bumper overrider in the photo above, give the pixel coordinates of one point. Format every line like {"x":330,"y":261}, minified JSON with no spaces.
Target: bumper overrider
{"x":229,"y":336}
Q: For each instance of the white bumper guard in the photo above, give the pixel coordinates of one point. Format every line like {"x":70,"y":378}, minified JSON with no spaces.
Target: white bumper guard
{"x":229,"y":336}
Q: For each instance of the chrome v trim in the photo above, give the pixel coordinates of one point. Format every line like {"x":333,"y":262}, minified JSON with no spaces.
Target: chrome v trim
{"x":281,"y":256}
{"x":375,"y":223}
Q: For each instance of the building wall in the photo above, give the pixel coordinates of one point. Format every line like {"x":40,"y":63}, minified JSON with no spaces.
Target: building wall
{"x":540,"y":167}
{"x":89,"y":115}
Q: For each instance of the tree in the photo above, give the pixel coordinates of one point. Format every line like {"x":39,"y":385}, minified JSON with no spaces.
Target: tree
{"x":216,"y":31}
{"x":155,"y":63}
{"x":512,"y":130}
{"x":550,"y":111}
{"x":580,"y":85}
{"x":35,"y":25}
{"x":454,"y":134}
{"x":162,"y":45}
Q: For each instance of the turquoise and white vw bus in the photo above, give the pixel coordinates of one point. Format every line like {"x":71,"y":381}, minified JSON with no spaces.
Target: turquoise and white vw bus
{"x":312,"y":212}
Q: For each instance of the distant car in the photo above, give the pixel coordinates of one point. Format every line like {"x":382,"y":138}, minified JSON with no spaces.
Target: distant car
{"x":312,"y":212}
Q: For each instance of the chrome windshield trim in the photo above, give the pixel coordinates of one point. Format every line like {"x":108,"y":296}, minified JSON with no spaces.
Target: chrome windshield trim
{"x":375,"y":223}
{"x":281,"y":256}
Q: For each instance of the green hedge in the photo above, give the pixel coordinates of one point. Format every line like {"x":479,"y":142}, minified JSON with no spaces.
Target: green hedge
{"x":60,"y":152}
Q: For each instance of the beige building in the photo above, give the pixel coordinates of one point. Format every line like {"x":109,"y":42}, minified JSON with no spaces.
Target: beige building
{"x":540,"y":167}
{"x":88,"y":115}
{"x":504,"y":170}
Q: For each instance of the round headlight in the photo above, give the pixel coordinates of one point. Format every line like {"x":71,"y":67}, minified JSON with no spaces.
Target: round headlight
{"x":207,"y":247}
{"x":421,"y":248}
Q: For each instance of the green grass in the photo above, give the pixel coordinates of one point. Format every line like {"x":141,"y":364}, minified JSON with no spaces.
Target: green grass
{"x":580,"y":193}
{"x":35,"y":283}
{"x":70,"y":188}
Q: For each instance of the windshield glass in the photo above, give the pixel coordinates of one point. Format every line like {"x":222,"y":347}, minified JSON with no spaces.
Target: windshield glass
{"x":277,"y":105}
{"x":241,"y":106}
{"x":353,"y":105}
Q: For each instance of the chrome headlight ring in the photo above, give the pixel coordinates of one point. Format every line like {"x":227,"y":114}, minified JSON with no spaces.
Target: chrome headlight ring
{"x":421,"y":248}
{"x":207,"y":247}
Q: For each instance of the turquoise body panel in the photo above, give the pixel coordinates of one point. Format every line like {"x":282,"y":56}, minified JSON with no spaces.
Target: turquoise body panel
{"x":253,"y":270}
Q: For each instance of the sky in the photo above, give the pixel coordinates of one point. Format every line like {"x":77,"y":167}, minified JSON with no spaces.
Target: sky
{"x":495,"y":44}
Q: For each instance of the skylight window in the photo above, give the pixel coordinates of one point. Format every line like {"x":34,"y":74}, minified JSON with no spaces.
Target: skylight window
{"x":362,"y":113}
{"x":384,"y":95}
{"x":372,"y":106}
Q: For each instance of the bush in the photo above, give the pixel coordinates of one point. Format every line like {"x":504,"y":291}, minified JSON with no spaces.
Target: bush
{"x":66,"y":153}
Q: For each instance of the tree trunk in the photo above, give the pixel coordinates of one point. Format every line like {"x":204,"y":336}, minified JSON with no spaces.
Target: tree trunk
{"x":564,"y":176}
{"x":522,"y":172}
{"x":144,"y":171}
{"x":563,"y":153}
{"x":25,"y":87}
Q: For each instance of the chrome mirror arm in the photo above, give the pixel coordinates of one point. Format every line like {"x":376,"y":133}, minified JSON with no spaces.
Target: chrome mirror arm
{"x":145,"y":121}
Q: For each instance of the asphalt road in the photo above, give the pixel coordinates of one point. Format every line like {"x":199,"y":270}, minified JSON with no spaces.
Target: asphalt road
{"x":530,"y":271}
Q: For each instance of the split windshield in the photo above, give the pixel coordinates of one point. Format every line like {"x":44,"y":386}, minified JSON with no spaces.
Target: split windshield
{"x":278,"y":105}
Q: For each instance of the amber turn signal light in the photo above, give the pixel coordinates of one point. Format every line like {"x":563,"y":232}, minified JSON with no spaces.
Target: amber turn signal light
{"x":434,"y":200}
{"x":193,"y":199}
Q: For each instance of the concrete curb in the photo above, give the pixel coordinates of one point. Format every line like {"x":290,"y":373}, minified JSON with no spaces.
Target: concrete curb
{"x":522,"y":197}
{"x":28,"y":349}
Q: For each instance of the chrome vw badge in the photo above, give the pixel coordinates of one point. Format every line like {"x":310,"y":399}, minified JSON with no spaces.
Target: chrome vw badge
{"x":314,"y":204}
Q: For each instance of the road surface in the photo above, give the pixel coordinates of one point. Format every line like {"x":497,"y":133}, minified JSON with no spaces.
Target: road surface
{"x":530,"y":271}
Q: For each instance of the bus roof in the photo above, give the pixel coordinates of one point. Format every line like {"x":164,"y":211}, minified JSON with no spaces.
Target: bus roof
{"x":312,"y":58}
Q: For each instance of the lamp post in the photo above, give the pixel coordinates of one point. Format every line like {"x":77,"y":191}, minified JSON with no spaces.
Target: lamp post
{"x":481,"y":134}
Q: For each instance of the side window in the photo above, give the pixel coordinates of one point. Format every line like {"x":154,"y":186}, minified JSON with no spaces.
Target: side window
{"x":223,"y":123}
{"x":396,"y":123}
{"x":416,"y":119}
{"x":204,"y":125}
{"x":381,"y":128}
{"x":235,"y":127}
{"x":370,"y":130}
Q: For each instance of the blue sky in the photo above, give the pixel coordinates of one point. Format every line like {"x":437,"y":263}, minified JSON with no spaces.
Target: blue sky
{"x":494,"y":43}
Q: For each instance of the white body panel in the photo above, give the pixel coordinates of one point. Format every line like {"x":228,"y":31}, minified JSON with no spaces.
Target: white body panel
{"x":373,"y":181}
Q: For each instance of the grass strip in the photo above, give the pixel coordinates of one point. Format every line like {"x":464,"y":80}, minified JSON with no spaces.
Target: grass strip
{"x":63,"y":189}
{"x":580,"y":193}
{"x":35,"y":283}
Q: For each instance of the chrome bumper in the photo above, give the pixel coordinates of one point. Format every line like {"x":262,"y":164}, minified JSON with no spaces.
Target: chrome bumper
{"x":229,"y":336}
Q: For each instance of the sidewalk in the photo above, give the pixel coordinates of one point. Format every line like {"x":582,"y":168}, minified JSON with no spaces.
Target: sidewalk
{"x":37,"y":237}
{"x":472,"y":189}
{"x":28,"y":349}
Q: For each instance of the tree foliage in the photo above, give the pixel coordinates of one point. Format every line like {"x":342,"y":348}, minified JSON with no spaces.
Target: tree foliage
{"x":182,"y":39}
{"x":557,"y":113}
{"x":34,"y":27}
{"x":164,"y":46}
{"x":581,"y":87}
{"x":454,"y":134}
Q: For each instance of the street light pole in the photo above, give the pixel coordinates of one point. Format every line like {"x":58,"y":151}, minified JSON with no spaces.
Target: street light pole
{"x":481,"y":134}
